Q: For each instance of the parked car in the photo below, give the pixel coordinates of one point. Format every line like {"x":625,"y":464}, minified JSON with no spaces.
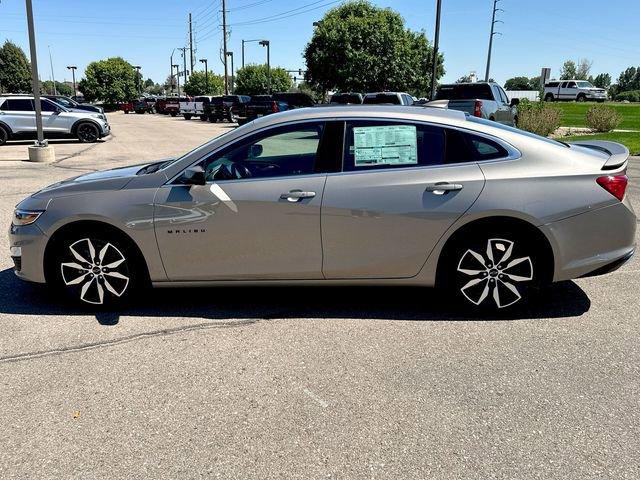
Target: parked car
{"x":346,"y":98}
{"x":72,"y":104}
{"x":390,"y":98}
{"x":143,"y":106}
{"x":227,"y":107}
{"x":172,"y":105}
{"x":578,"y":90}
{"x":126,"y":107}
{"x":160,"y":105}
{"x":18,"y":120}
{"x":374,"y":195}
{"x":262,"y":105}
{"x":188,"y":108}
{"x":480,"y":99}
{"x":259,"y":106}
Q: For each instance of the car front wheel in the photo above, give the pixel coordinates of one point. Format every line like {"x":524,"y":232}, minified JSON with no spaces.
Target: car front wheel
{"x":492,"y":273}
{"x":87,"y":132}
{"x":94,"y":268}
{"x":4,"y":136}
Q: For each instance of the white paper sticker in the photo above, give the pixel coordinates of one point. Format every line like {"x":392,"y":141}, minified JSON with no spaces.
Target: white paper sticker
{"x":388,"y":145}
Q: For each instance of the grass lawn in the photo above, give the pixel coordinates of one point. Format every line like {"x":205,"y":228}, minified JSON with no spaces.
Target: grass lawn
{"x":630,"y":139}
{"x":574,"y":114}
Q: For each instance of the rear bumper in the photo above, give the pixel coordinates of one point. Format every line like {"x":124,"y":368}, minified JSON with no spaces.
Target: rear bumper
{"x":594,"y":242}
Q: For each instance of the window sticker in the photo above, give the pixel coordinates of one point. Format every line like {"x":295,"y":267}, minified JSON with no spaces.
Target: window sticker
{"x":388,"y":145}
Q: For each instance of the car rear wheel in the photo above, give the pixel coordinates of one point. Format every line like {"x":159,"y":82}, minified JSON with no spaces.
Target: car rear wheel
{"x":581,"y":98}
{"x":87,"y":132}
{"x":548,"y":97}
{"x":4,"y":136}
{"x":95,"y":268}
{"x":492,"y":271}
{"x":173,"y":114}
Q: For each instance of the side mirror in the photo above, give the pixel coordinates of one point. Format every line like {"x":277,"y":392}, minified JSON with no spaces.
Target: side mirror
{"x":255,"y":150}
{"x":194,"y":175}
{"x":515,"y":102}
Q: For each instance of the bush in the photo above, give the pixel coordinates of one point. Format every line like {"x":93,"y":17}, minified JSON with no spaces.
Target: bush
{"x":541,"y":118}
{"x":602,"y":118}
{"x":631,"y":96}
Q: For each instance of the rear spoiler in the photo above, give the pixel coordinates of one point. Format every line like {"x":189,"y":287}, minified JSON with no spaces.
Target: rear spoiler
{"x":618,"y":153}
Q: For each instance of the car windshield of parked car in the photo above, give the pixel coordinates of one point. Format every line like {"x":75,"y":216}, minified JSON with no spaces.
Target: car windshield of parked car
{"x":481,"y":91}
{"x":65,"y":102}
{"x":584,"y":84}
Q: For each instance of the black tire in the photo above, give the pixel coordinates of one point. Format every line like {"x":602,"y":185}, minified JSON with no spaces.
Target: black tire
{"x":173,"y":114}
{"x":95,"y":267}
{"x":4,"y":136}
{"x":87,"y":132}
{"x":187,"y":116}
{"x":549,"y":97}
{"x":126,"y":112}
{"x":484,"y":261}
{"x":212,"y":119}
{"x":581,"y":98}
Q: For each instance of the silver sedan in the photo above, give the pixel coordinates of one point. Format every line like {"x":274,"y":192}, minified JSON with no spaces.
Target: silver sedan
{"x":339,"y":195}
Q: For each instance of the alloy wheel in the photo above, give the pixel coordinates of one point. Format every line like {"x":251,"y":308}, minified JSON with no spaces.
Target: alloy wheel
{"x":87,"y":133}
{"x":96,"y":270}
{"x":496,"y":275}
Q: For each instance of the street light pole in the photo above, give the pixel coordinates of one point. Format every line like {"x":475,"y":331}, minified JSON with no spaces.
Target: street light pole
{"x":177,"y":67}
{"x":242,"y":53}
{"x":232,"y":89}
{"x":436,"y":41}
{"x":138,"y":78}
{"x":34,"y":75}
{"x":266,"y":43}
{"x":73,"y":76}
{"x":206,"y":75}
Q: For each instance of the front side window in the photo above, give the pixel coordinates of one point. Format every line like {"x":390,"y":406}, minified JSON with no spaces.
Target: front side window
{"x":47,"y":106}
{"x":19,"y":105}
{"x":280,"y":152}
{"x":571,"y":85}
{"x":373,"y":145}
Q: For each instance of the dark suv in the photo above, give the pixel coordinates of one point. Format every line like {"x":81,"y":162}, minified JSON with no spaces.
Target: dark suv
{"x":70,"y":103}
{"x":227,"y":107}
{"x":262,"y":105}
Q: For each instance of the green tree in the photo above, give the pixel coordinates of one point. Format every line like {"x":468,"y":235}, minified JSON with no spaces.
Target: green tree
{"x":149,"y":83}
{"x":464,"y":79}
{"x":111,"y":80}
{"x":196,"y":85}
{"x":518,"y":83}
{"x":15,"y":70}
{"x":359,"y":47}
{"x":602,"y":80}
{"x":629,"y":80}
{"x":568,"y":70}
{"x":61,"y":88}
{"x":256,"y":80}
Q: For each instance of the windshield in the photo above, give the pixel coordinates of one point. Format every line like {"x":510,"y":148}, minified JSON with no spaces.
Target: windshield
{"x":464,"y":91}
{"x":584,"y":85}
{"x":501,"y":126}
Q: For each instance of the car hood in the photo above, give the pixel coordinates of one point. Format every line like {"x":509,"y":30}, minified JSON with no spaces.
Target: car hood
{"x":113,"y":179}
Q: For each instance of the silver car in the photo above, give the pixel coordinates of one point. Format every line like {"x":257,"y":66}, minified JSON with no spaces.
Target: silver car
{"x":339,"y":195}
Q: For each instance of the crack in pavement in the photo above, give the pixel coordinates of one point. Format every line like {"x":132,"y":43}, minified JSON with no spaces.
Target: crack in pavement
{"x":126,"y":339}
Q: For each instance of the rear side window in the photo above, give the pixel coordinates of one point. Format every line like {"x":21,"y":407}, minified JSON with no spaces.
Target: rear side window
{"x":464,"y":147}
{"x":371,"y":145}
{"x":553,"y":84}
{"x":19,"y":105}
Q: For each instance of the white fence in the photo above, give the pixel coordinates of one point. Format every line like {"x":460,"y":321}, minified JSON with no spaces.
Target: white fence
{"x":532,"y":95}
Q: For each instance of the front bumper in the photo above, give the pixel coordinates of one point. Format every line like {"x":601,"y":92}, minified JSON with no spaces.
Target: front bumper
{"x":597,"y":96}
{"x":27,"y":244}
{"x":591,"y":242}
{"x":105,"y":130}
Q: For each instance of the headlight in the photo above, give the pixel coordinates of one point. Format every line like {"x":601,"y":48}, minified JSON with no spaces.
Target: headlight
{"x":25,"y":217}
{"x":100,"y":116}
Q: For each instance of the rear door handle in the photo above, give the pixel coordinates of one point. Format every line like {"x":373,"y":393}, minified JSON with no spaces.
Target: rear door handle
{"x":296,"y":195}
{"x":441,"y":188}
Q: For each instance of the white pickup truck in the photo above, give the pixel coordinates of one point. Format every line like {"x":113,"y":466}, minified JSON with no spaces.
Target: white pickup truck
{"x":194,"y":107}
{"x":578,"y":90}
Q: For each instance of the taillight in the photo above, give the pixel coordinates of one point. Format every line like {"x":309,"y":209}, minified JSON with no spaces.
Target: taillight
{"x":477,"y":109}
{"x":616,"y":185}
{"x":274,"y":107}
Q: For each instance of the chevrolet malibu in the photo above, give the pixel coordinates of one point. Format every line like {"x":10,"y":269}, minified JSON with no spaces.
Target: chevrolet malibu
{"x":339,"y":195}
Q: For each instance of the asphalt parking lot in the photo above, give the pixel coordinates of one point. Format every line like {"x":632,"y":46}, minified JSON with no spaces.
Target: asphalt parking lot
{"x":308,"y":383}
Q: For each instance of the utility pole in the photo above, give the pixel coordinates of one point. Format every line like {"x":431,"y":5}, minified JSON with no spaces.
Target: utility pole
{"x":184,"y":63}
{"x":53,"y":78}
{"x":436,"y":41}
{"x":206,"y":75}
{"x":177,"y":67}
{"x":191,"y":42}
{"x":230,"y":55}
{"x":493,"y":24}
{"x":73,"y":75}
{"x":242,"y":54}
{"x":266,"y":43}
{"x":224,"y":43}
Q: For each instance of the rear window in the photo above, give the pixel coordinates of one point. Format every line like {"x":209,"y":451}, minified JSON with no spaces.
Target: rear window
{"x":344,"y":98}
{"x":18,"y":105}
{"x":470,"y":91}
{"x":381,"y":98}
{"x":501,"y":126}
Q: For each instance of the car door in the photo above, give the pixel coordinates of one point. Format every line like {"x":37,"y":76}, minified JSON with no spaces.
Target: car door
{"x":54,"y":118}
{"x":257,"y":216}
{"x":18,"y":113}
{"x":403,"y":185}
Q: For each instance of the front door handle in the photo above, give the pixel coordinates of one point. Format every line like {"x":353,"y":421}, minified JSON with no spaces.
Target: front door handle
{"x":296,"y":195}
{"x":442,"y":188}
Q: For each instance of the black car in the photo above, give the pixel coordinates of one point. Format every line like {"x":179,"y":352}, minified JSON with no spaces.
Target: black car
{"x":144,"y":105}
{"x":262,"y":105}
{"x":227,"y":107}
{"x":70,"y":103}
{"x":346,"y":98}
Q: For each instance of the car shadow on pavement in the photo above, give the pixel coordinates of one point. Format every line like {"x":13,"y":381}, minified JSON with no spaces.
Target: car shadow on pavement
{"x":564,"y":299}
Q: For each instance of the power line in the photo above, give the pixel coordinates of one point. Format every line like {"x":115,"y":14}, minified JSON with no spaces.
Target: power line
{"x":287,"y":14}
{"x":249,"y":5}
